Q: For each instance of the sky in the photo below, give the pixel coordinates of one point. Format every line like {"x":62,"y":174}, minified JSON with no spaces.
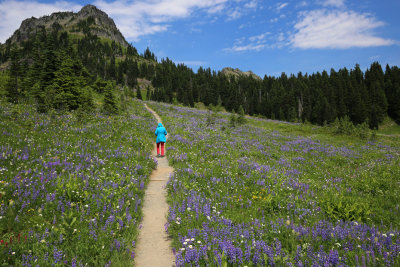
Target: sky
{"x":266,"y":37}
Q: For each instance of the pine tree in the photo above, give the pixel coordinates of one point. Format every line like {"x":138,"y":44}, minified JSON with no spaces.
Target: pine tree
{"x":66,"y":89}
{"x":377,"y":100}
{"x":110,"y":103}
{"x":139,"y":93}
{"x":148,"y":93}
{"x":358,"y":111}
{"x":232,"y":119}
{"x":86,"y":102}
{"x":99,"y":85}
{"x":392,"y":91}
{"x":241,"y":119}
{"x":13,"y":83}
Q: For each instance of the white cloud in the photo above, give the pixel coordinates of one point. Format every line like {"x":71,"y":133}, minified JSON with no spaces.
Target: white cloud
{"x":240,"y":11}
{"x":248,"y":47}
{"x":334,"y":3}
{"x":302,"y":4}
{"x":217,"y":9}
{"x":259,"y":38}
{"x":235,"y":14}
{"x":12,"y":13}
{"x":252,"y":43}
{"x":192,"y":63}
{"x":251,"y":5}
{"x":137,"y":18}
{"x":337,"y":29}
{"x":274,"y":20}
{"x":281,"y":6}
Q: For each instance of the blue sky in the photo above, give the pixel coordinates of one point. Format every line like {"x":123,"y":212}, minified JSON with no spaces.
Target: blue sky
{"x":267,"y":37}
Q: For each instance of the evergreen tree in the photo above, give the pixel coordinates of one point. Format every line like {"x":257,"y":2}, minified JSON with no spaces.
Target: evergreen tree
{"x":112,"y":72}
{"x":241,"y":119}
{"x":232,"y":119}
{"x":149,"y":55}
{"x":132,"y":73}
{"x":86,"y":101}
{"x":66,"y":90}
{"x":139,"y":93}
{"x":358,"y":110}
{"x":392,"y":92}
{"x":99,"y":85}
{"x":148,"y":93}
{"x":13,"y":83}
{"x":110,"y":103}
{"x":377,"y":100}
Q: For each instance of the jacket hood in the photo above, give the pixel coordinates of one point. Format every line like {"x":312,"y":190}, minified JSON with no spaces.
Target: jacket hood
{"x":160,"y":124}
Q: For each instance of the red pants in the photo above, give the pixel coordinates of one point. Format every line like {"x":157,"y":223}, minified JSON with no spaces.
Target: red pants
{"x":161,"y":144}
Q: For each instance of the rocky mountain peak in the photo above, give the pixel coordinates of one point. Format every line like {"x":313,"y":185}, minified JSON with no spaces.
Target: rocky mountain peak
{"x":101,"y":25}
{"x":91,"y":10}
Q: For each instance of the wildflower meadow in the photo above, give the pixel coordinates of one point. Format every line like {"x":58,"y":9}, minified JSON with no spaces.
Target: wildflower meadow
{"x":71,"y":187}
{"x":268,"y":193}
{"x":245,"y":191}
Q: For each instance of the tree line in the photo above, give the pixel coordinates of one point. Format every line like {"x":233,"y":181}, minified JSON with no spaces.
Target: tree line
{"x":318,"y":98}
{"x":59,"y":70}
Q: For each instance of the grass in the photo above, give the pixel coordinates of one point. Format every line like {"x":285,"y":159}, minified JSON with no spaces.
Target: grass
{"x":389,"y":127}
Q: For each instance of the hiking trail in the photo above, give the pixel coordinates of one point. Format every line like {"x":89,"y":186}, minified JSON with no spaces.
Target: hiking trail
{"x":153,"y":246}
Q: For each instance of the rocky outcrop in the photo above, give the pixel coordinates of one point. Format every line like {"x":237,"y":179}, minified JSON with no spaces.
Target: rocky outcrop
{"x":101,"y":25}
{"x":237,"y":72}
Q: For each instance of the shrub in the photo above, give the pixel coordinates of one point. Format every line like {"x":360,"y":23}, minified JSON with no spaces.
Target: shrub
{"x":346,"y":127}
{"x":232,"y":119}
{"x":241,"y":119}
{"x":200,"y":105}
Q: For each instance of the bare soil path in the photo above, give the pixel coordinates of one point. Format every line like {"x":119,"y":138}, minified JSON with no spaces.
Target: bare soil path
{"x":153,"y":246}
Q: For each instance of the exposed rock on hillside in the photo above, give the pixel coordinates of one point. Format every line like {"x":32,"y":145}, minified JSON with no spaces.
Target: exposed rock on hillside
{"x":96,"y":20}
{"x":237,"y":72}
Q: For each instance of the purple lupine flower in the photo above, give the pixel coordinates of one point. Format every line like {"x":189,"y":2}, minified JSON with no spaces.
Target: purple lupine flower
{"x":117,"y":244}
{"x":57,"y":255}
{"x":333,"y":257}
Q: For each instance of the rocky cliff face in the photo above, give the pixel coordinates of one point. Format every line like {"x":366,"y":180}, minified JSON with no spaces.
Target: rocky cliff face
{"x":101,"y":25}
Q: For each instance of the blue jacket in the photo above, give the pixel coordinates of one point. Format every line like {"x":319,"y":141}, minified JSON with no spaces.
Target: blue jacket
{"x":160,"y":133}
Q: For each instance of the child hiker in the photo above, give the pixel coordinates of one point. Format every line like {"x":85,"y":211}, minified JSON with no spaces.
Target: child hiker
{"x":160,"y":133}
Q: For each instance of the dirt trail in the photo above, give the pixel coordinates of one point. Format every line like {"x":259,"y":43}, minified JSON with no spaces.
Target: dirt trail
{"x":153,"y":246}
